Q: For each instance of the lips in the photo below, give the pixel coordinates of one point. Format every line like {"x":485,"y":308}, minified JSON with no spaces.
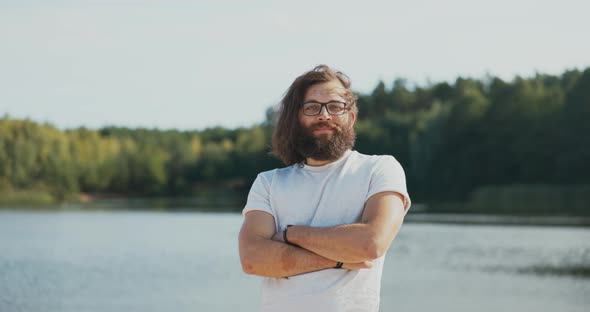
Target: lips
{"x":324,"y":127}
{"x":323,"y":130}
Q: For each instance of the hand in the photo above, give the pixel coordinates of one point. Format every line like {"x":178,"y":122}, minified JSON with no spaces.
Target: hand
{"x":358,"y":265}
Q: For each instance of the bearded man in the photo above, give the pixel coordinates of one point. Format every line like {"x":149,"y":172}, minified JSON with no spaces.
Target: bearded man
{"x":318,"y":230}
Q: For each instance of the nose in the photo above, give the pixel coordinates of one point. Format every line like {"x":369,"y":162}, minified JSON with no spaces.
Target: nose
{"x":324,"y":115}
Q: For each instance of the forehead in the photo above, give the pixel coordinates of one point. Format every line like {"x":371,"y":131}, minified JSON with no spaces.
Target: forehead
{"x":325,"y":91}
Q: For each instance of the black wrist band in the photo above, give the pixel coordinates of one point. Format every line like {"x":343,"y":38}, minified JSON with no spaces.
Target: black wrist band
{"x":285,"y":236}
{"x":338,"y":265}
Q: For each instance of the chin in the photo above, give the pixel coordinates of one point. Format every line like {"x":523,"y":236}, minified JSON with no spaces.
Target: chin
{"x":324,"y":135}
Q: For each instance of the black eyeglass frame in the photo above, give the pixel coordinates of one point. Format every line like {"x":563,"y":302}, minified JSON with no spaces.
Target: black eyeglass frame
{"x":325,"y":105}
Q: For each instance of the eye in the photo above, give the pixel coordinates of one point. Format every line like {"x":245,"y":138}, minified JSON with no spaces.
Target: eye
{"x":311,"y":107}
{"x":336,"y":106}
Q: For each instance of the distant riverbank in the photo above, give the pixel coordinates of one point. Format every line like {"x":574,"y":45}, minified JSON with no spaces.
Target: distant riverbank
{"x":232,"y":202}
{"x":41,"y":199}
{"x":483,"y":219}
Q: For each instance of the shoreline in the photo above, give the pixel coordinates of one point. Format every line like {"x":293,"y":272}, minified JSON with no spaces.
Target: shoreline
{"x":491,"y":219}
{"x":418,"y":217}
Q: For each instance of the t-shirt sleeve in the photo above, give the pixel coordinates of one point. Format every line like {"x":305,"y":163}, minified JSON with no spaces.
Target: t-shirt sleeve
{"x":258,"y":198}
{"x":389,"y":176}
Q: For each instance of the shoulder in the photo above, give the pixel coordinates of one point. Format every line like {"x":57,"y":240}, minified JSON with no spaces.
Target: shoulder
{"x":374,"y":160}
{"x":269,"y":175}
{"x":378,"y":165}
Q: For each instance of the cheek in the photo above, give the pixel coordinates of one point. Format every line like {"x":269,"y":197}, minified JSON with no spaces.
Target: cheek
{"x":305,"y":121}
{"x":348,"y":119}
{"x":301,"y":119}
{"x":343,"y":120}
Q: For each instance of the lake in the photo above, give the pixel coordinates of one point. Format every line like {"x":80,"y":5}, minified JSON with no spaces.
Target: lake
{"x":188,"y":261}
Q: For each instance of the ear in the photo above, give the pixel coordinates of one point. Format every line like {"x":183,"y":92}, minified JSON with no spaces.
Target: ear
{"x":352,"y":118}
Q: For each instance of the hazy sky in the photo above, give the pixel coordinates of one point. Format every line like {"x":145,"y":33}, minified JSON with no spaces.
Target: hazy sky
{"x":196,"y":64}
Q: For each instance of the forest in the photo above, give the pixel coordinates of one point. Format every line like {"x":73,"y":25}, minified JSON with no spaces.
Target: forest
{"x":472,"y":145}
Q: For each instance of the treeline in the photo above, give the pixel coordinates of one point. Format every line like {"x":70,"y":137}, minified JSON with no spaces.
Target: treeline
{"x":453,"y":139}
{"x":125,"y":161}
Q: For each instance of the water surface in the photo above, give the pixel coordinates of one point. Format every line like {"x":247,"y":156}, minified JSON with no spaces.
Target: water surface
{"x":188,"y":261}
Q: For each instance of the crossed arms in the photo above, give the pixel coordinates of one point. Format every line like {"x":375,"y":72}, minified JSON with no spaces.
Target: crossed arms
{"x":262,"y":251}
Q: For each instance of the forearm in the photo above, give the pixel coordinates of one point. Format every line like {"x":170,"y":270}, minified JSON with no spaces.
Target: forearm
{"x":265,"y":257}
{"x":346,"y":243}
{"x":364,"y":241}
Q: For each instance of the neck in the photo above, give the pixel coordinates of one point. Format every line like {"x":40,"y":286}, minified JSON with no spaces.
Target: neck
{"x":316,"y":163}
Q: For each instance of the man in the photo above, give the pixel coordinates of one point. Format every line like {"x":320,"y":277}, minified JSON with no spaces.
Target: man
{"x":318,"y":230}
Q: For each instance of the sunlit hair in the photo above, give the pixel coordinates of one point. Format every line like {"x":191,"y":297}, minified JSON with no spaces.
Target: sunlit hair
{"x":287,"y":126}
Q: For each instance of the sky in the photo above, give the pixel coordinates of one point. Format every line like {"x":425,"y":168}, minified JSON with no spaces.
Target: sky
{"x":196,"y":64}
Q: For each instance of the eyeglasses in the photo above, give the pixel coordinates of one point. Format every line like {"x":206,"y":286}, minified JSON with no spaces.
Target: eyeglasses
{"x":334,"y":108}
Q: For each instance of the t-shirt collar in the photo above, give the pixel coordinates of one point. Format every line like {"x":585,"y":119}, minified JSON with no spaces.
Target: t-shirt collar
{"x":328,"y":165}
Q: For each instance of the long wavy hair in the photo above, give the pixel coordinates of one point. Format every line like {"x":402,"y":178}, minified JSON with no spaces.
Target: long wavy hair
{"x":288,"y":126}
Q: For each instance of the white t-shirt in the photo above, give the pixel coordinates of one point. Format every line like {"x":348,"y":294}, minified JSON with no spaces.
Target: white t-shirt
{"x":328,"y":195}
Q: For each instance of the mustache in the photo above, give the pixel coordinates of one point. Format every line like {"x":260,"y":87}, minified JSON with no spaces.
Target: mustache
{"x":325,"y":124}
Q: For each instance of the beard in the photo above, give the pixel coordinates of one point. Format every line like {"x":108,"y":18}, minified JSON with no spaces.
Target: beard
{"x":325,"y":146}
